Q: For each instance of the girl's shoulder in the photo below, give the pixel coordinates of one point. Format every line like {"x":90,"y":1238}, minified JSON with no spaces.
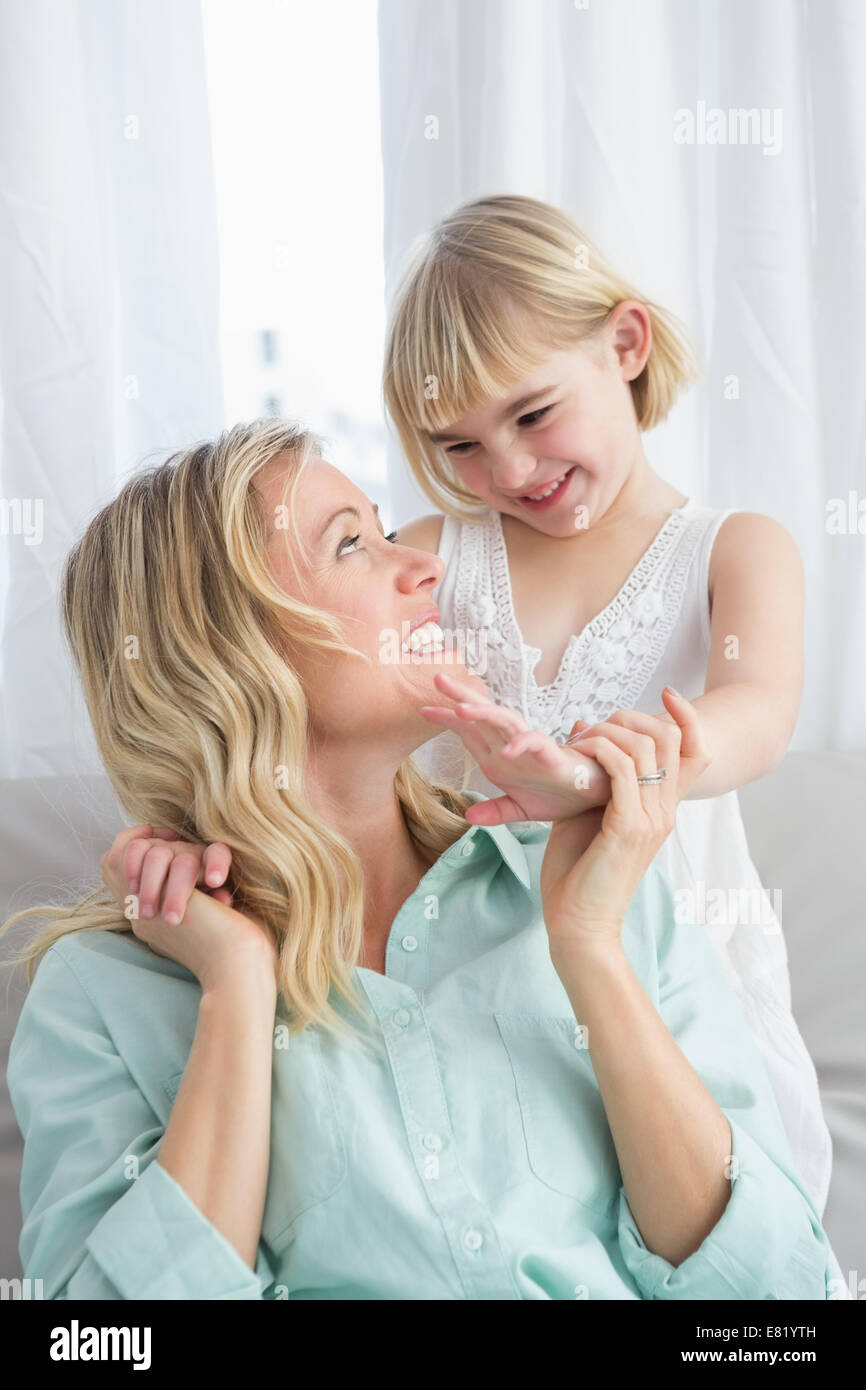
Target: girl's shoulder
{"x":424,"y":533}
{"x":445,"y":536}
{"x":757,"y":541}
{"x":431,"y":532}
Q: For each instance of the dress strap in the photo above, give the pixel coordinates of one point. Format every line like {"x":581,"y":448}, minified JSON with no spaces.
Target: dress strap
{"x":708,"y":540}
{"x":448,"y":538}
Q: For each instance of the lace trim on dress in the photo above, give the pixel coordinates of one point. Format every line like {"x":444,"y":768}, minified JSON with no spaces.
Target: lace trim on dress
{"x":607,"y":665}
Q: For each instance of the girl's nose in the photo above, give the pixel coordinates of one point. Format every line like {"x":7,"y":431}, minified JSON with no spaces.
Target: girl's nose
{"x":510,"y":471}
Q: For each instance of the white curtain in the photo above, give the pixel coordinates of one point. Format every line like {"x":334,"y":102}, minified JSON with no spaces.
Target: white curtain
{"x":759,"y":246}
{"x":108,"y":309}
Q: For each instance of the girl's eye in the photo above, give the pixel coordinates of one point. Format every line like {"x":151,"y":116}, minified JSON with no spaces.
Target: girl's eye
{"x":534,"y":416}
{"x":531,"y":419}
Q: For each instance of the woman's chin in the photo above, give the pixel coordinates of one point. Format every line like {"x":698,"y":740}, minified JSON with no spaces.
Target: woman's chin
{"x":421,"y":667}
{"x":422,"y":672}
{"x":427,"y":662}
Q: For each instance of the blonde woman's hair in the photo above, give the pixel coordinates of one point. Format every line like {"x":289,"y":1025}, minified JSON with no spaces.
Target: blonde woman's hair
{"x":496,"y":287}
{"x":178,"y":633}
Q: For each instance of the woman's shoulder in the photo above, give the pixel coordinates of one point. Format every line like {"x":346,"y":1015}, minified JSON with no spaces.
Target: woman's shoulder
{"x":115,"y":973}
{"x":99,"y":993}
{"x":95,"y":950}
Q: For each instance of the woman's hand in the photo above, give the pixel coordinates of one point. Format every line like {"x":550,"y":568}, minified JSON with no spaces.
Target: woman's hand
{"x":594,"y":862}
{"x":541,"y":779}
{"x":694,"y":754}
{"x":159,"y":866}
{"x":209,"y":938}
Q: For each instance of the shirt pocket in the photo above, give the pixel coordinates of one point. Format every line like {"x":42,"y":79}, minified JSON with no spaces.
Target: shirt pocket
{"x":307,"y":1153}
{"x":568,"y":1141}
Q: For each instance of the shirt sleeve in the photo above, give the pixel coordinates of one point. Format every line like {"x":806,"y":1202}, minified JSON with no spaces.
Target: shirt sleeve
{"x":102,"y":1219}
{"x":768,"y":1242}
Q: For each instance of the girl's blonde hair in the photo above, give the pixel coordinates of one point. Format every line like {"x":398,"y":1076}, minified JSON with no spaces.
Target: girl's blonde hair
{"x":178,"y":633}
{"x":486,"y":297}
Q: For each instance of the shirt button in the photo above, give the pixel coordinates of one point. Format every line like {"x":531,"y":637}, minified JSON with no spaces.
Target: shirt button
{"x":468,"y":847}
{"x":473,"y":1240}
{"x":409,"y":943}
{"x":433,"y":1142}
{"x":401,"y":1017}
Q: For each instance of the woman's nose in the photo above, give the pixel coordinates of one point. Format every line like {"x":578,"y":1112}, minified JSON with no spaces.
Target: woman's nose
{"x":437,"y":569}
{"x":423,"y":571}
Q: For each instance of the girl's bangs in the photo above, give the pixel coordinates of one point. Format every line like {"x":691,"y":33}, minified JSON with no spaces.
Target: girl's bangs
{"x":472,"y":359}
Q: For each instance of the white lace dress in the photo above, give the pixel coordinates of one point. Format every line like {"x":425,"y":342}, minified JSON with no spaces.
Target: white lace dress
{"x":655,"y":632}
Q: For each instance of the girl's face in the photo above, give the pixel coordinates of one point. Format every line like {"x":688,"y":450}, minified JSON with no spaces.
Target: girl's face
{"x":378,"y":591}
{"x":570,"y":427}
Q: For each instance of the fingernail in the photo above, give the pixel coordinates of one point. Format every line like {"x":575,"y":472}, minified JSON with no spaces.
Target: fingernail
{"x":171,"y":917}
{"x":214,"y":877}
{"x":147,"y":911}
{"x":674,"y":692}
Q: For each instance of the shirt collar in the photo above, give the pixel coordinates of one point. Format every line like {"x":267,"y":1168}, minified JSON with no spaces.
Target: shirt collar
{"x":509,"y":846}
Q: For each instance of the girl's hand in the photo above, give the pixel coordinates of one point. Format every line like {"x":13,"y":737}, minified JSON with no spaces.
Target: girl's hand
{"x":213,"y":941}
{"x":159,"y":866}
{"x":541,"y":779}
{"x":594,"y":862}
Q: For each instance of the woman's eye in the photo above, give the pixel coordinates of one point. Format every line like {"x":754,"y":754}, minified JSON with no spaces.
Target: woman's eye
{"x":534,"y":416}
{"x":353,"y":540}
{"x":458,"y":448}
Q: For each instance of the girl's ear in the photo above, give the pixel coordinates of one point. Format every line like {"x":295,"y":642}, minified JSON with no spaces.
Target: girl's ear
{"x":630,"y":327}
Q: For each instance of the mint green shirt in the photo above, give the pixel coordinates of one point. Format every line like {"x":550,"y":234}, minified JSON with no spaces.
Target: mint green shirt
{"x":462,"y":1152}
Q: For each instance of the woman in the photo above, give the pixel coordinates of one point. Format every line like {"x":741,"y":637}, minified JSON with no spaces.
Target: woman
{"x":411,"y":1059}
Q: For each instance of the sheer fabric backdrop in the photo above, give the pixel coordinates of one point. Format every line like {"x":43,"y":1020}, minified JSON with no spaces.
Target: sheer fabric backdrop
{"x":758,"y":246}
{"x":108,"y":310}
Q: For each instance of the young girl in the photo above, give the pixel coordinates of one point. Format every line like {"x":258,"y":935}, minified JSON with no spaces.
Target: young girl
{"x":520,"y":372}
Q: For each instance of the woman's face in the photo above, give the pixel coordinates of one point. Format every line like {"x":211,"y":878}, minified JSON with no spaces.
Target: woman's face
{"x":572,"y":421}
{"x":379,"y":591}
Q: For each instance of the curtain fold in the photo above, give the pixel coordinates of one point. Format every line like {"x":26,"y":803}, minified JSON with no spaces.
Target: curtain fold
{"x":757,"y":242}
{"x":108,"y":309}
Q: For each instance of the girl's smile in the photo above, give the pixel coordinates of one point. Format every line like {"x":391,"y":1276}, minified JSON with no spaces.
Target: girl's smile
{"x":544,"y":499}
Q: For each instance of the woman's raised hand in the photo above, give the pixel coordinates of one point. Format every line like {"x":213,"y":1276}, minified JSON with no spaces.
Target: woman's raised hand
{"x":694,"y":756}
{"x":199,"y":929}
{"x":594,"y":861}
{"x":541,"y":779}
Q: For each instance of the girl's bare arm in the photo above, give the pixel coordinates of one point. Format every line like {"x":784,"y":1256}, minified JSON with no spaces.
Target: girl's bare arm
{"x":754,"y":676}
